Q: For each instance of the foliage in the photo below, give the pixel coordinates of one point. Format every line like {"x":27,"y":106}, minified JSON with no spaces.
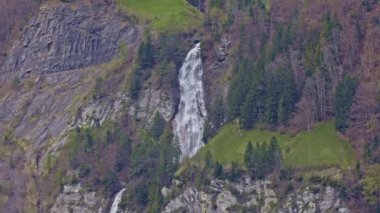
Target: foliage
{"x":208,"y":160}
{"x":153,"y":164}
{"x":163,"y":15}
{"x":158,"y":126}
{"x":217,"y":3}
{"x":146,"y":61}
{"x":218,"y":170}
{"x":111,"y":183}
{"x":215,"y":119}
{"x":263,"y":158}
{"x":146,"y":54}
{"x":135,"y":86}
{"x":98,"y":89}
{"x":370,"y":150}
{"x":344,"y":96}
{"x":319,"y":147}
{"x":371,"y":184}
{"x":168,"y":49}
{"x":170,"y":55}
{"x":235,"y":172}
{"x":256,"y":95}
{"x":87,"y":147}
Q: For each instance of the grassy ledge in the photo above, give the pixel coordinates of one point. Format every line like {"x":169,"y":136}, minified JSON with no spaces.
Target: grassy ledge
{"x":319,"y":147}
{"x":164,"y":15}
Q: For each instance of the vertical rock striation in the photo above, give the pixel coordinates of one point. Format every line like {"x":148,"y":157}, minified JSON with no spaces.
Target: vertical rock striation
{"x":63,"y":37}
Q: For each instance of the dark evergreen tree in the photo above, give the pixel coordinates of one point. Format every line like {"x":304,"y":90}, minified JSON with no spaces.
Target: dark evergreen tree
{"x":249,"y":110}
{"x":344,"y":95}
{"x":288,"y":95}
{"x":158,"y":126}
{"x":208,"y":160}
{"x":249,"y":157}
{"x":234,"y":173}
{"x":218,"y":170}
{"x":169,"y":157}
{"x":262,"y":159}
{"x":146,"y":54}
{"x":275,"y":152}
{"x":135,"y":86}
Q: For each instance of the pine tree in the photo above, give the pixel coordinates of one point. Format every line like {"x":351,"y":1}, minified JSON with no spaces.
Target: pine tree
{"x":249,"y":155}
{"x":135,"y":86}
{"x":344,"y":95}
{"x":218,"y":170}
{"x":208,"y":159}
{"x":146,"y":54}
{"x":275,"y":152}
{"x":235,"y":173}
{"x":249,"y":110}
{"x":158,"y":126}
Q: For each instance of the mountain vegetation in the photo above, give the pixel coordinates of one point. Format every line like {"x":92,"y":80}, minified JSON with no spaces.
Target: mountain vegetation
{"x":291,"y":90}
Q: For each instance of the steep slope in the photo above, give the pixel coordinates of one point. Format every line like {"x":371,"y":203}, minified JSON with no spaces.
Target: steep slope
{"x":60,"y":38}
{"x":90,"y":92}
{"x":13,"y":16}
{"x":38,"y":109}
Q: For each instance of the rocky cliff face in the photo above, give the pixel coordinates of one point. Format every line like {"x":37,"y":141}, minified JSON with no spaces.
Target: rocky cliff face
{"x":39,"y":109}
{"x":254,"y":196}
{"x":75,"y":199}
{"x":66,"y":37}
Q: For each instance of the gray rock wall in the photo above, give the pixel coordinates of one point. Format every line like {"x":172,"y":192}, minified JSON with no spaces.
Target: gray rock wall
{"x":66,"y":37}
{"x":258,"y":196}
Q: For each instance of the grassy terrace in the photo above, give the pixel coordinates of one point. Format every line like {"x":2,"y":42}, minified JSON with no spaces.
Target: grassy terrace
{"x":164,"y":15}
{"x":319,"y":147}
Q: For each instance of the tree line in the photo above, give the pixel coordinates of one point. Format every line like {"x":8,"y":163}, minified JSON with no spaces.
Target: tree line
{"x":257,"y":95}
{"x":262,"y":158}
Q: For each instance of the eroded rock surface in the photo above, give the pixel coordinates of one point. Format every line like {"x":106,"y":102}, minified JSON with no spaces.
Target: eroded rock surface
{"x":74,"y":198}
{"x":66,"y":37}
{"x":225,"y":196}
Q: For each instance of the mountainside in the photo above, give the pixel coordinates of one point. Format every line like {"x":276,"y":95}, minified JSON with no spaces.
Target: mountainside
{"x":189,"y":106}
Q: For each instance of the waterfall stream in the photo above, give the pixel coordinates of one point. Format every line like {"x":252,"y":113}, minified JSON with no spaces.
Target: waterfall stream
{"x":116,"y":201}
{"x":188,"y":123}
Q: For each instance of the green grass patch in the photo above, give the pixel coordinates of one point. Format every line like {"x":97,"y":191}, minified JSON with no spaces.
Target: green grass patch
{"x":164,"y":15}
{"x":319,"y":147}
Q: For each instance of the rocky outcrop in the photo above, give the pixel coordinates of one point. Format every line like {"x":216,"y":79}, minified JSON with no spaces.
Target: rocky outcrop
{"x":66,"y":37}
{"x":76,"y":199}
{"x":152,"y":101}
{"x":221,"y":52}
{"x":314,"y":199}
{"x":225,"y":196}
{"x":189,"y":200}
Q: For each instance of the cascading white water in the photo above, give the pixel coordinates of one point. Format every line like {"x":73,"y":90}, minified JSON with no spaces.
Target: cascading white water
{"x":116,"y":201}
{"x":188,"y":123}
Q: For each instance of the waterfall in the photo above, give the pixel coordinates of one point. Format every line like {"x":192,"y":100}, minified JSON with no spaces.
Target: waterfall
{"x":188,"y":123}
{"x":116,"y":201}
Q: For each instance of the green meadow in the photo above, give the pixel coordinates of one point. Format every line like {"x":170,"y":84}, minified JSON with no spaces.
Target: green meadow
{"x":163,"y":15}
{"x":320,"y":147}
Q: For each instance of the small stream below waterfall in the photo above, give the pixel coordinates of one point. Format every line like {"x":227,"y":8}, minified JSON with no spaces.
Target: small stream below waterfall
{"x":188,"y":123}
